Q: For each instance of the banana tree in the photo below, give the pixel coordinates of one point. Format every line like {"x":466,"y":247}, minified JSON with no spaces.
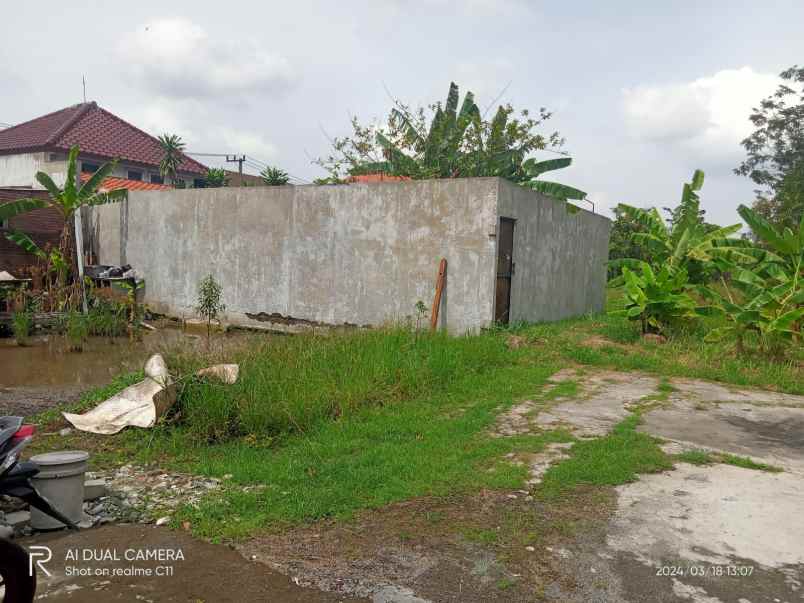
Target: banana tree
{"x":687,"y":244}
{"x":67,"y":200}
{"x":765,"y":298}
{"x":657,"y":299}
{"x":438,"y":153}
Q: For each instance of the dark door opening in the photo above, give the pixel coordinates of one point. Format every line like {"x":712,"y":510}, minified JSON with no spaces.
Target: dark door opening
{"x":505,"y":270}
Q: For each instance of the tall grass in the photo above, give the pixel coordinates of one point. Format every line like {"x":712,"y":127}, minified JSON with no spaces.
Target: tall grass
{"x":289,"y":384}
{"x":21,"y":326}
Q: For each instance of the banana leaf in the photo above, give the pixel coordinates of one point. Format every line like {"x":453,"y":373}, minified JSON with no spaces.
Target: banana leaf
{"x":535,"y":168}
{"x":24,"y":241}
{"x":20,"y":206}
{"x":554,"y":189}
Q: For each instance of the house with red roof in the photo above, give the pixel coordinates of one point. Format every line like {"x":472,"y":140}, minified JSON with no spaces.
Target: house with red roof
{"x":42,"y":144}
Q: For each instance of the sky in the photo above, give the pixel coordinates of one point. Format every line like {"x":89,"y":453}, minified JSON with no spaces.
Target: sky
{"x":643,"y":92}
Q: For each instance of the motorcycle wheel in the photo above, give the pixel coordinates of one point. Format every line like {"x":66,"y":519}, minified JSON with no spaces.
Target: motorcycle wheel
{"x":16,"y":586}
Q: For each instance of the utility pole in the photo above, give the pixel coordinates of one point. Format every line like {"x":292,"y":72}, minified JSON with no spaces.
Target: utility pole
{"x":239,"y":161}
{"x":84,"y":82}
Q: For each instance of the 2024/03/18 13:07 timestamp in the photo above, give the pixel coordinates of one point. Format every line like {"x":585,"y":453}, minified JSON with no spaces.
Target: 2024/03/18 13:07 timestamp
{"x":710,"y":571}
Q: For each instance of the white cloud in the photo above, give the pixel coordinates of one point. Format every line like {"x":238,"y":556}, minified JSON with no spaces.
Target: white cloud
{"x":707,"y":116}
{"x":242,"y":141}
{"x":200,"y":129}
{"x":178,"y":58}
{"x":469,"y":8}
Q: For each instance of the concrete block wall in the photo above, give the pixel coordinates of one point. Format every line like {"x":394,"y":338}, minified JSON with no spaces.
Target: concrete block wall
{"x":560,"y":257}
{"x":358,"y":254}
{"x":361,"y":254}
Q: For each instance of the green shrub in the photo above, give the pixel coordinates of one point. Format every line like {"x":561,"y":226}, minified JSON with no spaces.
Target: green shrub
{"x":21,"y":326}
{"x":209,"y":304}
{"x":76,"y":330}
{"x":107,"y":319}
{"x":657,"y":299}
{"x":289,"y":384}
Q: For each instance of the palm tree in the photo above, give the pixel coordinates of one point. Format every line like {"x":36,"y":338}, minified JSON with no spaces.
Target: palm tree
{"x":173,"y":148}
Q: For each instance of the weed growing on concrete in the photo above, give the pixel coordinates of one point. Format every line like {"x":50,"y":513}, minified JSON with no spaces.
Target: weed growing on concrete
{"x":614,"y":459}
{"x":704,"y":457}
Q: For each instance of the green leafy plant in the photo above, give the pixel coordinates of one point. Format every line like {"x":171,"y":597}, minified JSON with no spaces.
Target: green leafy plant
{"x":67,"y":200}
{"x":534,"y":169}
{"x":765,"y":298}
{"x":21,"y":326}
{"x":133,"y":309}
{"x":273,"y":176}
{"x":107,"y":318}
{"x":216,"y":178}
{"x":456,"y":141}
{"x":209,"y":304}
{"x":172,"y":156}
{"x":76,"y":330}
{"x":657,"y":299}
{"x":687,"y":244}
{"x":421,"y":313}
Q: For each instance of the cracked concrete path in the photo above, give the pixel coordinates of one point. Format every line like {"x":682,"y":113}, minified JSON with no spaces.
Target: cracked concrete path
{"x":698,"y":533}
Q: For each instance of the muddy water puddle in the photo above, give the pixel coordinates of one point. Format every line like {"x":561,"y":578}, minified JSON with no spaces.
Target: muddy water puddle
{"x":45,"y":372}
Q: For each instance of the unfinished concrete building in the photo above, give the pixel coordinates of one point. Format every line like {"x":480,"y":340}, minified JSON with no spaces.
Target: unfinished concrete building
{"x":362,"y":254}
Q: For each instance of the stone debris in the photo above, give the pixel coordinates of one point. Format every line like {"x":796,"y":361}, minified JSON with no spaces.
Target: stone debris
{"x":143,"y":495}
{"x":225,"y":373}
{"x":130,"y":494}
{"x":94,"y":489}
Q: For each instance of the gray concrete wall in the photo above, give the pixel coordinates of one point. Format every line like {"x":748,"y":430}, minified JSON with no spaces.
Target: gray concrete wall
{"x":358,"y":254}
{"x":560,"y":257}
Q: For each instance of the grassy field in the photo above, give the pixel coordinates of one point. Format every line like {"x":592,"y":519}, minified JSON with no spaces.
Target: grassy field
{"x":328,"y":425}
{"x":614,"y":342}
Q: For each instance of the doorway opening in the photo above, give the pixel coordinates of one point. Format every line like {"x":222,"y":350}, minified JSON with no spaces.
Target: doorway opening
{"x":505,"y":270}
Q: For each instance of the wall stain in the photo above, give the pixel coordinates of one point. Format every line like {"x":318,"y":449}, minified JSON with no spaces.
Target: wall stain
{"x":277,"y":318}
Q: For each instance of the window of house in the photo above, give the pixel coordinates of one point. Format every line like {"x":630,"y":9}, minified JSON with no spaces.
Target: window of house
{"x":134,"y":175}
{"x":57,"y":156}
{"x":157,"y":179}
{"x":199,"y":183}
{"x":89,"y":168}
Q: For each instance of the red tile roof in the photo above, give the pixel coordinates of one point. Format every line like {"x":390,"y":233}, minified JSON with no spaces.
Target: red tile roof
{"x":113,"y":184}
{"x":96,"y":131}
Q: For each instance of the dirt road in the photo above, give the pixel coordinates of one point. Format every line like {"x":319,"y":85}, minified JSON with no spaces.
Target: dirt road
{"x":189,"y":570}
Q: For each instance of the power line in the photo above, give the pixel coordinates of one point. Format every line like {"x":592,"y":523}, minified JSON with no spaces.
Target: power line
{"x":249,"y":160}
{"x":238,"y":160}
